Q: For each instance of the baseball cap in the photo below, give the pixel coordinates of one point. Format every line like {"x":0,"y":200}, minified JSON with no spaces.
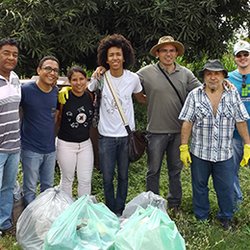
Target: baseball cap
{"x":241,"y":46}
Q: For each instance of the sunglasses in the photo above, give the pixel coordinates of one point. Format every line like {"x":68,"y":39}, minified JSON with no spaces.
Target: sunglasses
{"x":244,"y":78}
{"x":244,"y":54}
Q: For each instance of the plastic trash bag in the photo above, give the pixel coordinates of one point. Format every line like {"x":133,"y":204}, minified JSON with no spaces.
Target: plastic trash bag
{"x":37,"y":217}
{"x":149,"y":229}
{"x":143,"y":200}
{"x":84,"y":225}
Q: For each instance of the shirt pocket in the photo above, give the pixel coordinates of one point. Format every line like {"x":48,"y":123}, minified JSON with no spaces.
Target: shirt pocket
{"x":227,"y":112}
{"x":202,"y":111}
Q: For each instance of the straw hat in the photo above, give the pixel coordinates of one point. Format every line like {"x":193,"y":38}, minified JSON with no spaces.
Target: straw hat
{"x":168,"y":40}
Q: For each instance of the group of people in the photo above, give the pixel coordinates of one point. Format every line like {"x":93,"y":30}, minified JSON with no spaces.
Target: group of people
{"x":213,"y":113}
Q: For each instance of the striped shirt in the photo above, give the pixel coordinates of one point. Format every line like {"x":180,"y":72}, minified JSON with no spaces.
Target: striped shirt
{"x":10,"y":96}
{"x":212,"y":134}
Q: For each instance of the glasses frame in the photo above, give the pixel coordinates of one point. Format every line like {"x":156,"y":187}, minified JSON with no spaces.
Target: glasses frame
{"x":48,"y":69}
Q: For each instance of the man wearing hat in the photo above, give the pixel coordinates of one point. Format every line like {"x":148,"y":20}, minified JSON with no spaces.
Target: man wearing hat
{"x":210,"y":113}
{"x":241,"y":79}
{"x":165,"y":100}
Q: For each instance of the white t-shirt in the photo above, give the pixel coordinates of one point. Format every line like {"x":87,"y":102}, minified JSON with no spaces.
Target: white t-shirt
{"x":110,"y":123}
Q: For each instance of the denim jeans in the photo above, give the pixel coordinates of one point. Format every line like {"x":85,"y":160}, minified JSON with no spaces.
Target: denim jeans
{"x":8,"y":173}
{"x":158,"y":145}
{"x":114,"y":151}
{"x":37,"y":167}
{"x":223,"y":179}
{"x":238,"y":147}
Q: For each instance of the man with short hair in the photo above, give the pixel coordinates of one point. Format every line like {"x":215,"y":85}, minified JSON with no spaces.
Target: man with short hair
{"x":165,"y":100}
{"x":10,"y":95}
{"x":210,"y":114}
{"x":241,"y":79}
{"x":39,"y":107}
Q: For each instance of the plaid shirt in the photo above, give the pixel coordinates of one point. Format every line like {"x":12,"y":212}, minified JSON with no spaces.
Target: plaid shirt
{"x":212,"y":134}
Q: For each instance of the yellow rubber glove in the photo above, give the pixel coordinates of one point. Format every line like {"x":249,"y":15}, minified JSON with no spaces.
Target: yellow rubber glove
{"x":63,"y":94}
{"x":185,"y":155}
{"x":246,"y":155}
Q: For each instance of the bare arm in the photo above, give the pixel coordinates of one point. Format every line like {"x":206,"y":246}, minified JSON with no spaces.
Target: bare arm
{"x":98,"y":72}
{"x":243,"y":131}
{"x":186,"y":132}
{"x":140,"y":97}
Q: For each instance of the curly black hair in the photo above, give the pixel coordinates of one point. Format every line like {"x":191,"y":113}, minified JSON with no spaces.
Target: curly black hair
{"x":119,"y":41}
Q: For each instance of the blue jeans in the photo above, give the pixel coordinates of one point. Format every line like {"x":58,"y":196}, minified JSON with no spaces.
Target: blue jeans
{"x":223,"y":179}
{"x":158,"y":145}
{"x":114,"y":151}
{"x":8,"y":172}
{"x":37,"y":167}
{"x":238,"y":147}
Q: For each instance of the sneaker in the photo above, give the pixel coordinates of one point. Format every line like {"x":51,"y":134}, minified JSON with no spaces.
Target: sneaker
{"x":175,"y":211}
{"x":225,"y":223}
{"x":10,"y":231}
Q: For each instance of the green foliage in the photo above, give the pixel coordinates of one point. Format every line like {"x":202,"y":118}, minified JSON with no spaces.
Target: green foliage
{"x":71,"y":30}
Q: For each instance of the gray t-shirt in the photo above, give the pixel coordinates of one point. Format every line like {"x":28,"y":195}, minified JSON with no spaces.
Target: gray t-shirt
{"x":164,"y":105}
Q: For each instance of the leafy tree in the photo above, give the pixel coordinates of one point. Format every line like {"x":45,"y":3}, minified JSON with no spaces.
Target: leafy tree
{"x":71,"y":29}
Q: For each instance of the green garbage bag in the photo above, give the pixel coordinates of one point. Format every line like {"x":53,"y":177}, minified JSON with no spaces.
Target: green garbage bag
{"x":149,"y":229}
{"x":83,"y":225}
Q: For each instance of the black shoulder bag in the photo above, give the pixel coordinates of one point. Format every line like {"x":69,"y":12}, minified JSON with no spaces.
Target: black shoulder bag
{"x":182,"y":103}
{"x":137,"y":142}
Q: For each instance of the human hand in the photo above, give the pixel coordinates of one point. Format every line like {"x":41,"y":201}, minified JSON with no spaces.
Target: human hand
{"x":185,"y":155}
{"x":246,"y":155}
{"x":98,"y":72}
{"x":229,"y":85}
{"x":63,"y":94}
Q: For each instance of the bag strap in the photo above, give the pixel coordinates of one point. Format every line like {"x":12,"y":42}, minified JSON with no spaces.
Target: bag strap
{"x":119,"y":106}
{"x":171,"y":83}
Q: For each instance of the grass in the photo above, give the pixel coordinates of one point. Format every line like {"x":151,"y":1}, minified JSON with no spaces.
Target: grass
{"x":197,"y":235}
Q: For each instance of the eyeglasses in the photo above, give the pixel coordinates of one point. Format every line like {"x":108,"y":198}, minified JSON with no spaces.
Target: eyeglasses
{"x":243,"y":54}
{"x":244,"y":78}
{"x":167,"y":50}
{"x":48,"y":69}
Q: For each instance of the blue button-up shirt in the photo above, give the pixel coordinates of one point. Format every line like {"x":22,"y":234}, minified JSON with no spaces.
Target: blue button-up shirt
{"x":212,"y":134}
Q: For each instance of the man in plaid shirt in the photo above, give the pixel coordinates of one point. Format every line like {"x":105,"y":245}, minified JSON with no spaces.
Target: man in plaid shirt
{"x":210,"y":113}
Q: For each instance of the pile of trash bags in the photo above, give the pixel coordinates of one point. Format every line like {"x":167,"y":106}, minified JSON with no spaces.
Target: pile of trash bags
{"x":88,"y":225}
{"x":37,"y":218}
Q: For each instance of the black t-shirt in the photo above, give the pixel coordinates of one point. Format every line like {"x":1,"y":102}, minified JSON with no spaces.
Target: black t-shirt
{"x":76,"y":118}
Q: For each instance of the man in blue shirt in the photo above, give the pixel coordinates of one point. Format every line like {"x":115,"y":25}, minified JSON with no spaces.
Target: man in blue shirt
{"x":241,"y":79}
{"x":39,"y":103}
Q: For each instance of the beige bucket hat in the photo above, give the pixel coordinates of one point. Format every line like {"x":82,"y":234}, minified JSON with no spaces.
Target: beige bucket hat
{"x":168,"y":40}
